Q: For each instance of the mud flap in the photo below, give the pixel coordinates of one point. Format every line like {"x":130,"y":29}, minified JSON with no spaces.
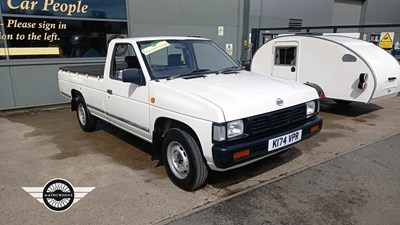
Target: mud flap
{"x":157,"y":144}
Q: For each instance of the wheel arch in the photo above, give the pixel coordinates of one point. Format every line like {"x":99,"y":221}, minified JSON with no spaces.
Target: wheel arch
{"x":320,"y":91}
{"x":74,"y":95}
{"x":161,"y":127}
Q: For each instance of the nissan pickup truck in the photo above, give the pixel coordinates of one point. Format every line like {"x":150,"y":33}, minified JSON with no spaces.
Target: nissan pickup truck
{"x":196,"y":105}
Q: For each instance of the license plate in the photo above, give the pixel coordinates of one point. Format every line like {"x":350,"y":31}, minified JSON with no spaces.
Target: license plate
{"x":284,"y":140}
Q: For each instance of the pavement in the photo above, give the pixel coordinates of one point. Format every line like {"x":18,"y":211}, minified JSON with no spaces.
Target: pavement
{"x":39,"y":145}
{"x":362,"y":187}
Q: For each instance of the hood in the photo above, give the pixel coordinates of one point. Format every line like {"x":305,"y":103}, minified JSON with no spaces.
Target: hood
{"x":245,"y":94}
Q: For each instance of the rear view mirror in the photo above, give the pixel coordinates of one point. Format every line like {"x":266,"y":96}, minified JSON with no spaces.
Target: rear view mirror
{"x":133,"y":75}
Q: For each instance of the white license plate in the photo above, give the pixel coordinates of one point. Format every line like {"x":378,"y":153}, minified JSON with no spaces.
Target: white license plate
{"x":284,"y":140}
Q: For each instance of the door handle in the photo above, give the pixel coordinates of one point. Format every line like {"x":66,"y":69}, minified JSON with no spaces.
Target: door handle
{"x":293,"y":69}
{"x":109,"y":91}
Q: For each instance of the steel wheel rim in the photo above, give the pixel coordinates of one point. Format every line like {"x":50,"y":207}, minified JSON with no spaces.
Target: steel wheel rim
{"x":178,"y":160}
{"x":82,"y":114}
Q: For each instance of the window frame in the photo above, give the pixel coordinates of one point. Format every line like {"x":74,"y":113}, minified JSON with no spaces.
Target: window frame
{"x":114,"y":62}
{"x":286,"y":47}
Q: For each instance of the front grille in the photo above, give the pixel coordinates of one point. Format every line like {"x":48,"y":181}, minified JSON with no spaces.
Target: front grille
{"x":265,"y":122}
{"x":280,"y":119}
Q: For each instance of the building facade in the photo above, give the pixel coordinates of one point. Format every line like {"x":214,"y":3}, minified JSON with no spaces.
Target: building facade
{"x":37,"y":37}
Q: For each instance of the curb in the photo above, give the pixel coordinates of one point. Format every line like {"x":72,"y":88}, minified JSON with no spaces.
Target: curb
{"x":33,"y":110}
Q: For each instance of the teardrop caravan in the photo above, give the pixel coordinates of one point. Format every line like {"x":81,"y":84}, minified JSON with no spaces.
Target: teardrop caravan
{"x":347,"y":69}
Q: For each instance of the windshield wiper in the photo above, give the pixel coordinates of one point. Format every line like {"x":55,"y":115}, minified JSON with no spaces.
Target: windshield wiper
{"x":196,"y":72}
{"x":232,"y":69}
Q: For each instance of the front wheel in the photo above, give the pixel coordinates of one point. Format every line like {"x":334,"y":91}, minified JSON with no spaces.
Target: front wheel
{"x":183,"y":160}
{"x":86,"y":120}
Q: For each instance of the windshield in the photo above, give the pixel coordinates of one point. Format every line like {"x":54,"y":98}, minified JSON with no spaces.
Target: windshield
{"x":171,"y":58}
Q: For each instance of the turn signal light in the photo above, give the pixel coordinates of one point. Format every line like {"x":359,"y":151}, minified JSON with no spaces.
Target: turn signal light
{"x":241,"y":154}
{"x":314,"y":129}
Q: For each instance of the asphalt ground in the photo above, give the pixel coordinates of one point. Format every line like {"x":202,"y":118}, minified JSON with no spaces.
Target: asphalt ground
{"x":362,"y":187}
{"x":37,"y":146}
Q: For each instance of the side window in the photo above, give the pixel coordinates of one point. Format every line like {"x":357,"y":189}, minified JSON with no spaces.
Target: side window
{"x":349,"y":58}
{"x":124,"y":57}
{"x":285,"y":55}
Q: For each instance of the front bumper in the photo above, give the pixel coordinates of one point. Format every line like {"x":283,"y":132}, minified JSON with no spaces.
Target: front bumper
{"x":223,"y":153}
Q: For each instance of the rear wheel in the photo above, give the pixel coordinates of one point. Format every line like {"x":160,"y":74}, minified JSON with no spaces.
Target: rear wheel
{"x":183,"y":160}
{"x":86,"y":120}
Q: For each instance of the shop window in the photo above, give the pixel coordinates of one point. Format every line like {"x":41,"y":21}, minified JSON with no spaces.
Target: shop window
{"x":69,"y":38}
{"x":2,"y":40}
{"x":61,"y":29}
{"x":101,"y":9}
{"x":285,"y":56}
{"x":2,"y":50}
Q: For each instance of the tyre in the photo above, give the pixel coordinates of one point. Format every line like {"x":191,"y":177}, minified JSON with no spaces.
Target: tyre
{"x":183,"y":160}
{"x":341,"y":102}
{"x":86,"y":120}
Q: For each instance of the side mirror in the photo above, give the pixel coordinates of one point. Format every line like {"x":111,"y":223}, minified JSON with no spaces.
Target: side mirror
{"x":133,"y":75}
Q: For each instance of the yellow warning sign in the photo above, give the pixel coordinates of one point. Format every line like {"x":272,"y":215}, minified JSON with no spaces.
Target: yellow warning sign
{"x":386,"y":40}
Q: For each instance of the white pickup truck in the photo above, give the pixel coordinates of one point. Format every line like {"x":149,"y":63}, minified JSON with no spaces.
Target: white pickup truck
{"x":193,"y":102}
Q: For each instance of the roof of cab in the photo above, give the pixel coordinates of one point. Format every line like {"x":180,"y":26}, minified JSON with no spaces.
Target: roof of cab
{"x":158,"y":38}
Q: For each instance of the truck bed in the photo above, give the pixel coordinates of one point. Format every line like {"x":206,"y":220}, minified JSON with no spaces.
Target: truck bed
{"x":91,"y":70}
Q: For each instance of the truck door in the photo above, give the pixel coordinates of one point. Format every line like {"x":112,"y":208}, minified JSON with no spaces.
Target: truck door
{"x":285,"y":63}
{"x":126,"y":104}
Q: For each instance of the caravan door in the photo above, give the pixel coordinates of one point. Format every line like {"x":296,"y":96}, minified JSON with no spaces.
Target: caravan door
{"x":286,"y":61}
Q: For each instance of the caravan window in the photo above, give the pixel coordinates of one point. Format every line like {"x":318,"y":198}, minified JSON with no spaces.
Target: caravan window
{"x":285,"y":55}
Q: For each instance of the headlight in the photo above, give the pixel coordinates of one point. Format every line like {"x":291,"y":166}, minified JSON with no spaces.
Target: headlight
{"x":310,"y":108}
{"x":235,"y":128}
